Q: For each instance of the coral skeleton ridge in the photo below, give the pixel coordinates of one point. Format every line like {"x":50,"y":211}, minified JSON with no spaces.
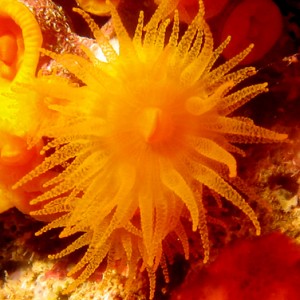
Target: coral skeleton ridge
{"x":139,"y":139}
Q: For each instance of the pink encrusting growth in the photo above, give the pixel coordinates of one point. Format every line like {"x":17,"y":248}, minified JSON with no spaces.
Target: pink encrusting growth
{"x":139,"y":140}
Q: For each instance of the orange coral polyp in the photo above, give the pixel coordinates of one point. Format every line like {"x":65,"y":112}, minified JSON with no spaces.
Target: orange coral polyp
{"x":248,"y":23}
{"x":150,"y":129}
{"x":20,"y":39}
{"x":20,"y":42}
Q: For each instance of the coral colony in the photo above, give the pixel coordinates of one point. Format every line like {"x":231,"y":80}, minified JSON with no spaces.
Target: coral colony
{"x":124,"y":151}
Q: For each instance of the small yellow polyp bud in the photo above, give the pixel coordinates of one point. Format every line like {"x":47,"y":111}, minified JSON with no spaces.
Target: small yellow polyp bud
{"x":14,"y":152}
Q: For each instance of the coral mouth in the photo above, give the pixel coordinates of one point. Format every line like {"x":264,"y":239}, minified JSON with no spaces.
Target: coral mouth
{"x":155,"y":125}
{"x":11,"y":46}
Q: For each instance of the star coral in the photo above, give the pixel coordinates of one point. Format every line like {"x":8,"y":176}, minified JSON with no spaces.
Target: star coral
{"x":139,"y":140}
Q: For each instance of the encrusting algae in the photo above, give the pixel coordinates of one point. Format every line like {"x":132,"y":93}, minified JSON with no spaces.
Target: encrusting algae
{"x":138,"y":141}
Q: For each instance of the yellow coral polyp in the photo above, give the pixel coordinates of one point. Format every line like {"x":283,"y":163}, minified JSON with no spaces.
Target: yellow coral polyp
{"x":97,"y":7}
{"x":138,"y":142}
{"x":20,"y":39}
{"x":20,"y":42}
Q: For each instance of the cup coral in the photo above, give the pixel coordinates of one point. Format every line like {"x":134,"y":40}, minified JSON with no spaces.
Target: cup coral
{"x":20,"y":39}
{"x":20,"y":42}
{"x":138,"y":141}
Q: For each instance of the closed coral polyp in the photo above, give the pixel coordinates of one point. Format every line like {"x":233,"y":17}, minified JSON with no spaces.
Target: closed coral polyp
{"x":20,"y":39}
{"x":20,"y":42}
{"x":149,"y":128}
